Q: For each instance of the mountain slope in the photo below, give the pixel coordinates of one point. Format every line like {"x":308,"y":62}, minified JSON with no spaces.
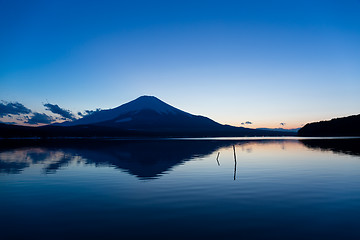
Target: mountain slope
{"x":145,"y":116}
{"x":148,"y":113}
{"x":294,"y":130}
{"x":147,"y":119}
{"x":345,"y":126}
{"x":142,"y":103}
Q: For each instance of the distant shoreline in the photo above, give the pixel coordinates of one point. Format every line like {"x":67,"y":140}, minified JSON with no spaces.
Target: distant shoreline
{"x":181,"y":138}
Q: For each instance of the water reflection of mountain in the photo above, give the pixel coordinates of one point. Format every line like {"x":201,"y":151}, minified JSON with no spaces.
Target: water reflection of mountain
{"x":347,"y":146}
{"x":144,"y":159}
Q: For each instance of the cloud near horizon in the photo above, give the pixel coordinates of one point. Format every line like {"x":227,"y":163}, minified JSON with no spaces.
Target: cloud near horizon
{"x":282,"y":124}
{"x":12,"y":108}
{"x":88,"y":112}
{"x":54,"y":108}
{"x":8,"y":109}
{"x":37,"y":118}
{"x":10,"y":123}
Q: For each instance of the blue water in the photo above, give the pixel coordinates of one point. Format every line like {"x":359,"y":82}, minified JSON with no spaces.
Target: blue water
{"x":177,"y":189}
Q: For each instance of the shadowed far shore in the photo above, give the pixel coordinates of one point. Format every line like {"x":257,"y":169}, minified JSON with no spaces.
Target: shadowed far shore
{"x":337,"y":127}
{"x":148,"y":116}
{"x":91,"y":131}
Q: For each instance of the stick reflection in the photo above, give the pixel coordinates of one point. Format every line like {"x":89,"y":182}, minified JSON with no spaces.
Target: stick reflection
{"x":217,"y":159}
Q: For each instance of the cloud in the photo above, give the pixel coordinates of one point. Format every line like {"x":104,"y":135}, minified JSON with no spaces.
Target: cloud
{"x":10,"y":123}
{"x":88,"y":112}
{"x":282,"y":124}
{"x":247,"y":122}
{"x":54,"y":108}
{"x":13,"y":108}
{"x":39,"y":118}
{"x":242,"y":123}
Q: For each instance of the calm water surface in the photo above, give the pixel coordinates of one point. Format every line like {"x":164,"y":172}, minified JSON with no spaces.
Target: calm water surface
{"x":179,"y":189}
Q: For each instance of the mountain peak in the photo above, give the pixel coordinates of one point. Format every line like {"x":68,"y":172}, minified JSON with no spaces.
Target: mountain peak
{"x":141,"y":103}
{"x":147,"y":97}
{"x":148,"y":103}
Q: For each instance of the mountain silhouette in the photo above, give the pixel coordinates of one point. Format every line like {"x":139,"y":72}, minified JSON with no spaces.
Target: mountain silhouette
{"x":345,"y":126}
{"x":294,"y":130}
{"x":146,"y":116}
{"x":146,"y":113}
{"x":124,"y":112}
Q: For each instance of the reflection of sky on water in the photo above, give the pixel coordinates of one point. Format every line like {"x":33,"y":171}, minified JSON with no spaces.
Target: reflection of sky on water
{"x":148,"y":159}
{"x":178,"y":189}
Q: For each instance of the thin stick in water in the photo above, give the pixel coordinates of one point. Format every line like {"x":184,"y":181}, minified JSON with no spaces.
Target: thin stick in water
{"x":235,"y":163}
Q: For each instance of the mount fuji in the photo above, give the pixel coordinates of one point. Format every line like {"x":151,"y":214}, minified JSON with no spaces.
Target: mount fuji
{"x":147,"y":113}
{"x":146,"y":116}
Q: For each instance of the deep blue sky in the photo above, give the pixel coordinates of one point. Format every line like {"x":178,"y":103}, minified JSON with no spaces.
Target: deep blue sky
{"x":234,"y":61}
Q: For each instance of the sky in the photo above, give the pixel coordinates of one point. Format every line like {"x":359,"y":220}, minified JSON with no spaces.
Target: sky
{"x":261,"y":62}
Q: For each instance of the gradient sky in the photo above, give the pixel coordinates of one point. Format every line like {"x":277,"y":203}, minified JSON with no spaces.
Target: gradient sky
{"x":234,"y":61}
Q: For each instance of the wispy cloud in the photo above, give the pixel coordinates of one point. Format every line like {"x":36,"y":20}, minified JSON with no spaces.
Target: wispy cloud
{"x":88,"y":112}
{"x":37,"y":118}
{"x":10,"y":123}
{"x":54,"y":108}
{"x":282,"y":124}
{"x":12,"y":108}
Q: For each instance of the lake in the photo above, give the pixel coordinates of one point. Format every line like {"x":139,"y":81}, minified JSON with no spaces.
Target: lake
{"x":180,"y":189}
